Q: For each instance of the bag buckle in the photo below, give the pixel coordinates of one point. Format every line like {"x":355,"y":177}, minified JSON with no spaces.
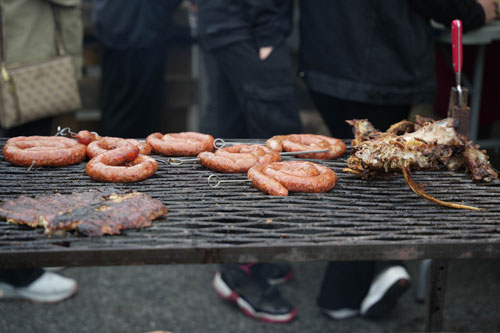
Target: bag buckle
{"x":5,"y":75}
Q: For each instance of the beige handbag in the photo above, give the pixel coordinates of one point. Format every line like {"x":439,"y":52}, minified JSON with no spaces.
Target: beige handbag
{"x":39,"y":90}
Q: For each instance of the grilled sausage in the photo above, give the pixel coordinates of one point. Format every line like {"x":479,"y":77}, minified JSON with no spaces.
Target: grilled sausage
{"x":238,"y":158}
{"x":107,"y":143}
{"x":302,"y":142}
{"x":180,"y":144}
{"x":121,"y":165}
{"x":43,"y":151}
{"x":279,"y":178}
{"x":85,"y":137}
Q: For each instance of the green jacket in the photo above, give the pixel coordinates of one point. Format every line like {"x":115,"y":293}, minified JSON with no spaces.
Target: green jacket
{"x":30,"y":30}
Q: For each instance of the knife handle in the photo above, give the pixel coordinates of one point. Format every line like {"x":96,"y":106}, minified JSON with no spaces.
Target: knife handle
{"x":456,"y":42}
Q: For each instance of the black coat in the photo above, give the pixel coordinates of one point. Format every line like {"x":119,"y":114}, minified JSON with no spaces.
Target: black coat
{"x":133,"y":23}
{"x":375,"y":51}
{"x":222,"y":22}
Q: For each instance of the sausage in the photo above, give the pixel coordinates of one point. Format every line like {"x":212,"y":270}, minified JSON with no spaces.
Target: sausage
{"x":279,"y":178}
{"x":107,"y":143}
{"x":238,"y":158}
{"x":85,"y":137}
{"x":121,"y":165}
{"x":180,"y":144}
{"x":44,"y":151}
{"x":302,"y":142}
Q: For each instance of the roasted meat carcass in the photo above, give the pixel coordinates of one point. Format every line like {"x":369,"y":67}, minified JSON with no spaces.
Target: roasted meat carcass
{"x":432,"y":146}
{"x":422,"y":145}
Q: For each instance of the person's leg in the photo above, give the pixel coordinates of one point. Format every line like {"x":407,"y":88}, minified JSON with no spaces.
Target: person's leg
{"x":390,"y":282}
{"x":369,"y":288}
{"x":20,"y":277}
{"x":335,"y":112}
{"x":265,"y":88}
{"x":253,"y":294}
{"x":344,"y":286}
{"x":132,"y":91}
{"x":36,"y":127}
{"x":223,"y":117}
{"x":35,"y":285}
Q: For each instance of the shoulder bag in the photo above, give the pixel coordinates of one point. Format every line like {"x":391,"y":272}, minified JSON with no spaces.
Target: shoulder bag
{"x":34,"y":91}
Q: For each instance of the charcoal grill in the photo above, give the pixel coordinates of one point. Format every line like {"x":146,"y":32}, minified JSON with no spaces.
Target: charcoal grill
{"x":357,"y":220}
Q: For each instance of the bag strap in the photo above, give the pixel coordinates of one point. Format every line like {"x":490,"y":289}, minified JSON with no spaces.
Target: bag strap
{"x":59,"y":43}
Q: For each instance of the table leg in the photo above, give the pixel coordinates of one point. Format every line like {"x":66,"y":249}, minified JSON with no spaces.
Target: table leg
{"x":438,"y":279}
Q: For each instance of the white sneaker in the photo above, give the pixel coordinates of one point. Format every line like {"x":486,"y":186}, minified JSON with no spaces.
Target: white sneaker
{"x":384,"y":291}
{"x":49,"y":287}
{"x":341,"y":313}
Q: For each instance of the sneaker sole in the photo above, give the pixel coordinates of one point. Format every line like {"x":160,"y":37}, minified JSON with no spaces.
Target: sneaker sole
{"x":381,"y":303}
{"x":223,"y":290}
{"x":9,"y":293}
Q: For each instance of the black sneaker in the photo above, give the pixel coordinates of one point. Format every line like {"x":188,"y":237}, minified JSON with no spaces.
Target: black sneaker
{"x":385,"y":291}
{"x":253,"y":295}
{"x":275,"y":274}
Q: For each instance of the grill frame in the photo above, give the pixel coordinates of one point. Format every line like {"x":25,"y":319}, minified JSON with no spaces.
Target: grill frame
{"x":237,"y":223}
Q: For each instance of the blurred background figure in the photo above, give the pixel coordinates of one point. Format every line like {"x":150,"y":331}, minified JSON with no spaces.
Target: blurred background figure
{"x":372,"y":59}
{"x":251,"y":83}
{"x":252,"y":94}
{"x":30,"y":32}
{"x":133,"y":37}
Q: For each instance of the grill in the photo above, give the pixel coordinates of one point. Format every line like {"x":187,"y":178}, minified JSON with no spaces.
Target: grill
{"x":358,"y":219}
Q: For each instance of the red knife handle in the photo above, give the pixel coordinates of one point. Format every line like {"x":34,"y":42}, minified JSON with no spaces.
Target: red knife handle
{"x":456,"y":42}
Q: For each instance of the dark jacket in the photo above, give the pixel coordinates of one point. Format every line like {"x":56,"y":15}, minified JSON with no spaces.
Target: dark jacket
{"x":375,"y":51}
{"x":133,"y":23}
{"x":222,"y":22}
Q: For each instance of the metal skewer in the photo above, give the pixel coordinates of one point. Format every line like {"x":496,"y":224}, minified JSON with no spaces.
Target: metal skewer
{"x":179,"y":161}
{"x":220,"y":143}
{"x":213,"y":182}
{"x":287,"y":153}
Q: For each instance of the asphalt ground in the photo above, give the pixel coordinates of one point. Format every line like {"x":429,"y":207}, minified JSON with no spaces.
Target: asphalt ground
{"x":179,"y":298}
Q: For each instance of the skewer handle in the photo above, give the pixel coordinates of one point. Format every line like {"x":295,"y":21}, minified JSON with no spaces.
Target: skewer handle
{"x":456,"y":42}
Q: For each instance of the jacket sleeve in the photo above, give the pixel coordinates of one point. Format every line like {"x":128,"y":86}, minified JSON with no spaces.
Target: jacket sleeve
{"x":469,"y":12}
{"x":264,"y":18}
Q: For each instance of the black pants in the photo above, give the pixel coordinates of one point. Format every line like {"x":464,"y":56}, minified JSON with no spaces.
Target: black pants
{"x":132,"y":91}
{"x":336,"y":111}
{"x":345,"y":284}
{"x":250,"y":97}
{"x":20,"y":277}
{"x":36,"y":127}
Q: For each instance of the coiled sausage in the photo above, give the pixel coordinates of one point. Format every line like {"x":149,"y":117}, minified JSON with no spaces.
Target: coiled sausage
{"x":43,"y":151}
{"x":279,"y":178}
{"x":107,"y":143}
{"x":180,"y":144}
{"x":121,"y":165}
{"x":303,"y":142}
{"x":238,"y":158}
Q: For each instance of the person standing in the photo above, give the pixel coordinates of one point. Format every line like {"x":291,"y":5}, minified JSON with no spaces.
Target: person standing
{"x":133,"y":37}
{"x":30,"y":33}
{"x":372,"y":59}
{"x":251,"y":82}
{"x":251,"y":92}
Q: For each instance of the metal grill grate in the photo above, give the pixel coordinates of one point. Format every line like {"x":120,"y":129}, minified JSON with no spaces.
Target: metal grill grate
{"x":355,"y":213}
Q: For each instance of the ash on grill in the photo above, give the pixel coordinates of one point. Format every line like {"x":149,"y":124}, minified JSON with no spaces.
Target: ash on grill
{"x":91,"y":213}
